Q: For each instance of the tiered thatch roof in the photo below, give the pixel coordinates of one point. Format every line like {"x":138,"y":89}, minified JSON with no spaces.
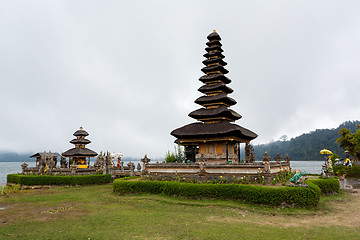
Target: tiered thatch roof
{"x":215,"y":116}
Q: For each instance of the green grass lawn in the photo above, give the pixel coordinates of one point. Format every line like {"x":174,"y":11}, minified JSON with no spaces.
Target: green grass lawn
{"x":95,"y":212}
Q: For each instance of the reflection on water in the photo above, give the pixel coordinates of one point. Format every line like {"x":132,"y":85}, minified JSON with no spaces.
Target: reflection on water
{"x":313,"y":167}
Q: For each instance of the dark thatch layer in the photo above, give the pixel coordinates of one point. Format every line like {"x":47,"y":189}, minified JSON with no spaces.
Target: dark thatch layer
{"x":223,"y":129}
{"x":215,"y":77}
{"x":214,"y":60}
{"x":214,"y":48}
{"x":214,"y":36}
{"x":218,"y":43}
{"x":80,"y":141}
{"x":214,"y":68}
{"x":216,"y":87}
{"x":79,"y":152}
{"x":37,"y":155}
{"x":221,"y":97}
{"x":214,"y":113}
{"x":214,"y":54}
{"x":81,"y":133}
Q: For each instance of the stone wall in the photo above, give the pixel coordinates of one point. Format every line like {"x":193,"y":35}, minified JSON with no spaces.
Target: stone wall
{"x":202,"y":170}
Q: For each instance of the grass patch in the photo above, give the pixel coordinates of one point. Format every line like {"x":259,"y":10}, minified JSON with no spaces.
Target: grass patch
{"x":95,"y":212}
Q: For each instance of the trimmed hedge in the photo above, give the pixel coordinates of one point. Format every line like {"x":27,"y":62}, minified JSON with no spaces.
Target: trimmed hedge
{"x":326,"y":185}
{"x":297,"y":196}
{"x":58,"y":180}
{"x":349,"y":171}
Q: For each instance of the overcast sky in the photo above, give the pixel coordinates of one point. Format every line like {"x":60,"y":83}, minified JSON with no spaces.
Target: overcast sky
{"x":127,"y":71}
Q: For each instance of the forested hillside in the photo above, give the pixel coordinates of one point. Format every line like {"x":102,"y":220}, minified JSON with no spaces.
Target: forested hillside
{"x":15,"y":157}
{"x":307,"y":146}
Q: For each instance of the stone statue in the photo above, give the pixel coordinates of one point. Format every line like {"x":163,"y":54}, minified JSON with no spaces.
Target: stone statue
{"x":145,"y":161}
{"x":138,"y":167}
{"x":278,"y":158}
{"x":266,"y":158}
{"x":99,"y":163}
{"x":50,"y":161}
{"x":122,"y":166}
{"x":201,"y":165}
{"x":42,"y":163}
{"x":266,"y":166}
{"x":249,"y":153}
{"x":287,"y":158}
{"x":132,"y":168}
{"x":24,"y":166}
{"x":252,"y":157}
{"x":63,"y":163}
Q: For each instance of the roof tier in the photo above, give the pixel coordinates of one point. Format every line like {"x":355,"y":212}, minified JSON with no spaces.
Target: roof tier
{"x":81,"y":133}
{"x":225,"y":129}
{"x":80,"y":141}
{"x":214,"y":36}
{"x":217,"y":87}
{"x":213,"y":114}
{"x":214,"y":69}
{"x":213,"y":48}
{"x":218,"y":99}
{"x":214,"y":78}
{"x":79,"y":152}
{"x":213,"y":55}
{"x":214,"y":61}
{"x":214,"y":43}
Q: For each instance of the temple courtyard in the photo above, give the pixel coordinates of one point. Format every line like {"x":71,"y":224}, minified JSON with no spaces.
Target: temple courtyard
{"x":95,"y":212}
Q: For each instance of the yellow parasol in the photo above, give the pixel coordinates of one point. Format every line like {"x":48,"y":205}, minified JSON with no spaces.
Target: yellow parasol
{"x":326,"y":151}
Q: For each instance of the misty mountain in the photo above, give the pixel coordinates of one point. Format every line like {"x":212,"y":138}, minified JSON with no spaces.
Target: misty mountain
{"x":304,"y":147}
{"x":16,"y":157}
{"x":308,"y":145}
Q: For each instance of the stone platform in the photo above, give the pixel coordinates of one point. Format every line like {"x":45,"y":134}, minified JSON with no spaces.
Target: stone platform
{"x":203,"y":170}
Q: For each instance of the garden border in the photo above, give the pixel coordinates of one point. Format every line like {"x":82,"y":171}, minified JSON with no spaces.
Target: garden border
{"x":58,"y":179}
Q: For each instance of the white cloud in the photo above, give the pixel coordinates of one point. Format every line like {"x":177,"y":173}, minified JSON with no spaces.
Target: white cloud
{"x":128,"y":71}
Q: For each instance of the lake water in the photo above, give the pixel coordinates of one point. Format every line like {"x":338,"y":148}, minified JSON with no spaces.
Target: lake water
{"x":15,"y":167}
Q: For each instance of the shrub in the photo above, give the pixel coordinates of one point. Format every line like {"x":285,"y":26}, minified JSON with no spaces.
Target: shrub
{"x":58,"y":180}
{"x":6,"y":190}
{"x":296,"y":196}
{"x":349,"y":171}
{"x":326,"y":185}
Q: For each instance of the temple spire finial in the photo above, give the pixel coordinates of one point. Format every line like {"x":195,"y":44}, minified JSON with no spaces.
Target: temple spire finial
{"x":214,"y":31}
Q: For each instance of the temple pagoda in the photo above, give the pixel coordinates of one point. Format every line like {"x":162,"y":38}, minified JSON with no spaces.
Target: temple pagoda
{"x":214,"y":138}
{"x":79,"y":153}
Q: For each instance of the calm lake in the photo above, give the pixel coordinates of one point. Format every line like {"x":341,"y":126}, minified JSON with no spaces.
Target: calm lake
{"x":14,"y":167}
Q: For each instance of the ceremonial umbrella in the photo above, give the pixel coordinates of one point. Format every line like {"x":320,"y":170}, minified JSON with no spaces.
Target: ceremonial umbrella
{"x":326,"y":151}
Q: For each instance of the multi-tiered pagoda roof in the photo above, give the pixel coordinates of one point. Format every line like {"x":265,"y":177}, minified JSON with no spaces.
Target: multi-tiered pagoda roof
{"x":215,"y":118}
{"x":80,"y":150}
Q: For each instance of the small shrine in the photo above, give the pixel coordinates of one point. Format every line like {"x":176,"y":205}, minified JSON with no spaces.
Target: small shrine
{"x":214,"y":138}
{"x":79,"y":153}
{"x":40,"y":155}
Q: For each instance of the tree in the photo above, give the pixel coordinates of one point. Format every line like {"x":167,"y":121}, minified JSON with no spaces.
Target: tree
{"x":283,"y":138}
{"x":177,"y":156}
{"x":350,"y":141}
{"x":179,"y":153}
{"x":170,"y":157}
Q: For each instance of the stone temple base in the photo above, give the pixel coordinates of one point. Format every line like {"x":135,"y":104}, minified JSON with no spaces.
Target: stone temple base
{"x":209,"y":171}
